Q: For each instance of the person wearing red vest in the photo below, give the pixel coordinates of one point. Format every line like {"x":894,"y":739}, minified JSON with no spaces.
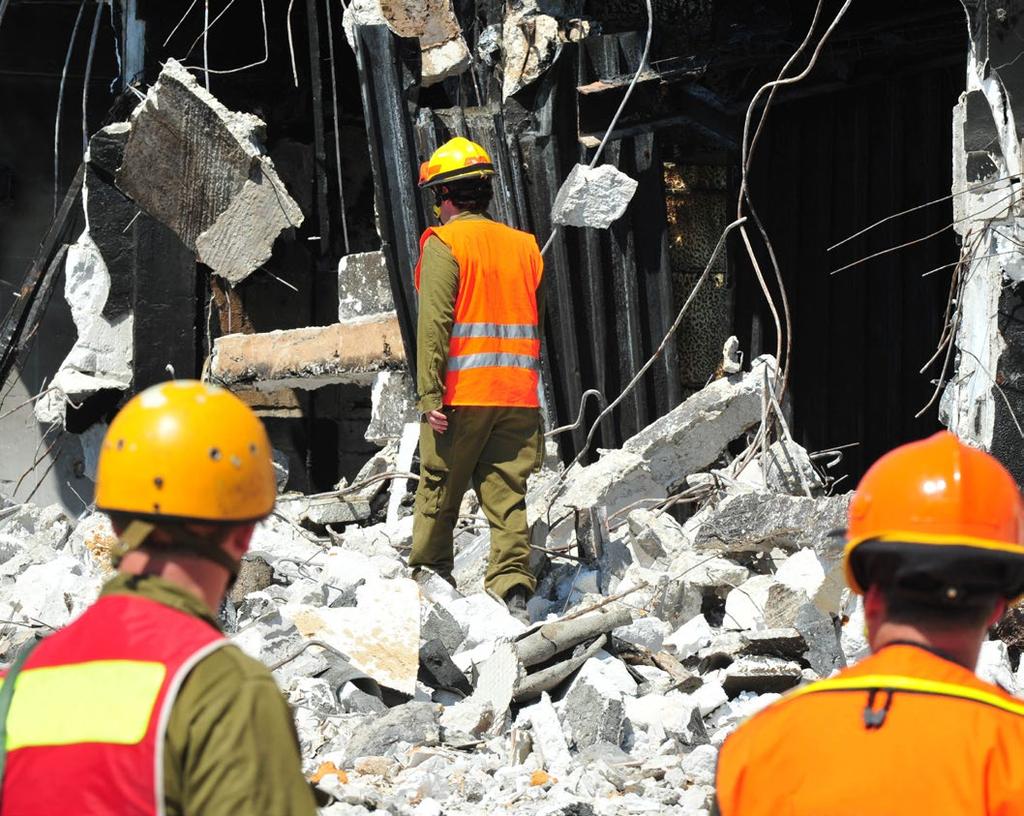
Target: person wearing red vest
{"x":935,"y":544}
{"x":140,"y":706}
{"x":478,"y":368}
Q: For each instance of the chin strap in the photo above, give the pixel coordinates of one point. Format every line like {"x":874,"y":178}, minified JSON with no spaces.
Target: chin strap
{"x":184,"y":542}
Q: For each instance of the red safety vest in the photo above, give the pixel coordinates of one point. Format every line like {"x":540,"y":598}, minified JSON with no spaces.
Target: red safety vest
{"x":86,"y":727}
{"x":494,"y":351}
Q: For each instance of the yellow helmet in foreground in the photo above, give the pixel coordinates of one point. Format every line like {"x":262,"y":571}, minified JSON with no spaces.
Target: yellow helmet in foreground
{"x":186,"y":451}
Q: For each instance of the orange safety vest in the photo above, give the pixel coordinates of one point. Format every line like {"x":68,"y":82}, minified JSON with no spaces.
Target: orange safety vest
{"x":87,"y":723}
{"x":902,"y":732}
{"x":494,"y":350}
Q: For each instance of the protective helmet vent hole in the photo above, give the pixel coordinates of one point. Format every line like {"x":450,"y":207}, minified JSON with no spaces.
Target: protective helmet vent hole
{"x":159,"y":482}
{"x":215,"y":454}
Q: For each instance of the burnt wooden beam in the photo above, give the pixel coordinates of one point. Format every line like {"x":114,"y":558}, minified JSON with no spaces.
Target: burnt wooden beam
{"x":388,"y":74}
{"x":319,"y":146}
{"x":16,"y":320}
{"x":657,"y":102}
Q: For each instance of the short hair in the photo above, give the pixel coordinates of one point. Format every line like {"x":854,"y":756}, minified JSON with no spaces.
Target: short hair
{"x":473,"y":194}
{"x":212,"y":533}
{"x":906,"y":607}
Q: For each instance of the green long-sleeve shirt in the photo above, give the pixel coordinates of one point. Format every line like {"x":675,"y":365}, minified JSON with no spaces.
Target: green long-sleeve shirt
{"x":439,"y":288}
{"x":231,"y":746}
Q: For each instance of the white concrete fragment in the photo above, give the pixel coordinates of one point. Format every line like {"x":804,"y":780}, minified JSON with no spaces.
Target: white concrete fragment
{"x":548,"y":740}
{"x":648,"y":632}
{"x":380,"y":634}
{"x":364,"y":287}
{"x":102,"y":355}
{"x":745,"y":605}
{"x":594,"y":198}
{"x":530,"y":45}
{"x":708,"y":697}
{"x":802,"y":572}
{"x":392,"y":407}
{"x":699,"y":764}
{"x":690,"y":638}
{"x":483,"y":619}
{"x":406,"y":451}
{"x":486,"y":709}
{"x":994,"y":666}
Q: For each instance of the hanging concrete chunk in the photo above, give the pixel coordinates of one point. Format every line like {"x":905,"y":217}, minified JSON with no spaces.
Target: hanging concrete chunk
{"x":593,"y":197}
{"x":198,"y":167}
{"x":364,"y":289}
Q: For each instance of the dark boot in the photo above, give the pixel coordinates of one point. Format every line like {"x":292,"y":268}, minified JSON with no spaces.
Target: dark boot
{"x":516,"y":600}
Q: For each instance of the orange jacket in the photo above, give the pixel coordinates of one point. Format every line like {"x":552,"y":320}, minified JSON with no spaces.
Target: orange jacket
{"x":494,"y":350}
{"x":943,"y":743}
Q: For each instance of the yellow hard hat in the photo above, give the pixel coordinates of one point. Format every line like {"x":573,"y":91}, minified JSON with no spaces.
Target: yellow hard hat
{"x":187,"y":451}
{"x":456,"y":159}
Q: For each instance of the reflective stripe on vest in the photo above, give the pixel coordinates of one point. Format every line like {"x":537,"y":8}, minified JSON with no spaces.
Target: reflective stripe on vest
{"x":493,"y":360}
{"x":503,"y":331}
{"x":102,"y":701}
{"x":913,"y":685}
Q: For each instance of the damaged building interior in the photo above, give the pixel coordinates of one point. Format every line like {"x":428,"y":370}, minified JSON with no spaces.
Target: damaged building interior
{"x":780,"y":238}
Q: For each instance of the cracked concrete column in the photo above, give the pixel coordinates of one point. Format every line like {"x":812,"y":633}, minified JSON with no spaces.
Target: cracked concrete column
{"x":984,"y":395}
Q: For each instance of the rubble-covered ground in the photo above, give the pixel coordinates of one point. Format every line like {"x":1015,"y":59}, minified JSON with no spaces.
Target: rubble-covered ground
{"x":652,"y":639}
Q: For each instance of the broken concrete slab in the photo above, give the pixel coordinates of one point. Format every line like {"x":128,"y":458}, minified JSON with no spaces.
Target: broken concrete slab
{"x":101,"y":357}
{"x":364,"y":288}
{"x":690,"y":638}
{"x":411,"y":723}
{"x":486,"y":709}
{"x":593,"y":711}
{"x":785,"y":643}
{"x":530,"y":45}
{"x":593,"y":197}
{"x":761,"y":522}
{"x":693,"y":435}
{"x":438,"y":671}
{"x":548,"y":740}
{"x":392,"y":406}
{"x":308,"y":358}
{"x":647,"y":632}
{"x":321,"y":509}
{"x":787,"y":468}
{"x":235,"y":205}
{"x":379,"y":635}
{"x":673,"y":715}
{"x":761,"y":675}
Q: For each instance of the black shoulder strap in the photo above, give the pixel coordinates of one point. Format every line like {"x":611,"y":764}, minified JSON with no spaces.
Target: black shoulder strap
{"x":6,"y":696}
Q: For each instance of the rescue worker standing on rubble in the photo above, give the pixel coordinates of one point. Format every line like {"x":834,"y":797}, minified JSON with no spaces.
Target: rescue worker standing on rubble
{"x":141,"y":706}
{"x":935,"y":544}
{"x":478,"y":362}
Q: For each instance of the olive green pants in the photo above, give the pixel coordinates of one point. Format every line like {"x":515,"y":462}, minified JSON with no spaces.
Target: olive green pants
{"x":498,"y":448}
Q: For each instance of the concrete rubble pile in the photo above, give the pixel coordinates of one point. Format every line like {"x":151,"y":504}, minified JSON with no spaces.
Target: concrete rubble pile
{"x":652,"y":639}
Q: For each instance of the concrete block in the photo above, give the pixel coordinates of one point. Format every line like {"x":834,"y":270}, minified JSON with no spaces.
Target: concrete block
{"x":92,"y":539}
{"x":656,"y":537}
{"x":438,"y":671}
{"x":364,"y":288}
{"x":593,"y":709}
{"x":689,"y":638}
{"x":101,"y":357}
{"x":392,"y":406}
{"x":595,"y":197}
{"x":673,"y":714}
{"x":787,"y":469}
{"x":761,"y":675}
{"x":761,"y":522}
{"x":693,"y":435}
{"x":708,"y":697}
{"x":411,"y":723}
{"x":483,"y":619}
{"x":380,"y":635}
{"x":324,"y":508}
{"x":309,"y":357}
{"x":530,"y":45}
{"x":437,"y":623}
{"x":785,"y":643}
{"x":548,"y":740}
{"x":486,"y":709}
{"x":234,"y":205}
{"x":648,"y":632}
{"x":699,"y":765}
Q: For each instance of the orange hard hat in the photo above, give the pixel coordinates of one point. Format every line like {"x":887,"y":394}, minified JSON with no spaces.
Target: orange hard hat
{"x":939,"y":506}
{"x":455,"y":160}
{"x":187,"y":451}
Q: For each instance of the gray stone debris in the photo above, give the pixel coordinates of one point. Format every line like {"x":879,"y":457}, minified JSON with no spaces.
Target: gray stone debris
{"x":364,"y":288}
{"x":650,"y":643}
{"x":236,"y":205}
{"x":593,"y":197}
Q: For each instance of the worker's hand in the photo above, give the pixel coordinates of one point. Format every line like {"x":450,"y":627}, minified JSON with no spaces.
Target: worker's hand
{"x":437,"y":421}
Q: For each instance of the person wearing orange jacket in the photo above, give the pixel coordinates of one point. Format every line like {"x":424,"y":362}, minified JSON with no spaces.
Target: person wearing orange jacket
{"x":478,"y":364}
{"x":141,"y":706}
{"x":935,"y":544}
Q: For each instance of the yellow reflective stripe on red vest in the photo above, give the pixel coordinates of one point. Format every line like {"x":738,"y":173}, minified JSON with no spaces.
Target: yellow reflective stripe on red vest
{"x":106,"y":701}
{"x":914,"y":685}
